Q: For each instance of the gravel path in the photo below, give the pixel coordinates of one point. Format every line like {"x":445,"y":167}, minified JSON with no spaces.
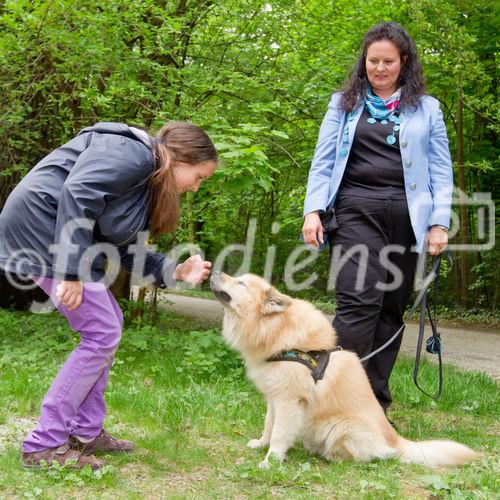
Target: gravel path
{"x":467,"y":349}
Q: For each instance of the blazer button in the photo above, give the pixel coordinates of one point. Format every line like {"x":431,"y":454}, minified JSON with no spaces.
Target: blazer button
{"x":404,"y":144}
{"x":413,"y":186}
{"x":408,"y":163}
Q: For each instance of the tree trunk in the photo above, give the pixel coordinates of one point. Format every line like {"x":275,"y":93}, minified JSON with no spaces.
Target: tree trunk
{"x":120,"y":288}
{"x":154,"y":306}
{"x":464,"y":222}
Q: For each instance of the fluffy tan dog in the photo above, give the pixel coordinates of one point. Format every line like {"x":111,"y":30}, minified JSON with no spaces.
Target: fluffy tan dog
{"x":337,"y":417}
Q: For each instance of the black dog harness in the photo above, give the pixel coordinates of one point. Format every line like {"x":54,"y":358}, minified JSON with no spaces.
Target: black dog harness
{"x":316,"y":361}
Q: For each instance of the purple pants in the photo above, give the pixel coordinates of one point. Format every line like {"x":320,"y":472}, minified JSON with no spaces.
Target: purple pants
{"x":74,"y":404}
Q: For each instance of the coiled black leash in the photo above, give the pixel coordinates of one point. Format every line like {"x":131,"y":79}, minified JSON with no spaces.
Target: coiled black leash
{"x":433,"y":344}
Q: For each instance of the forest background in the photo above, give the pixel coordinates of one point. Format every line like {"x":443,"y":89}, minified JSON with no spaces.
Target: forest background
{"x":257,"y":75}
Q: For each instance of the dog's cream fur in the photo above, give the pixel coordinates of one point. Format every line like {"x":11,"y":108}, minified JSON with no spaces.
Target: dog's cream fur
{"x":339,"y":416}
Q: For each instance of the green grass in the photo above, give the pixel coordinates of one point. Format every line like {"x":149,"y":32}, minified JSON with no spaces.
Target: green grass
{"x":181,"y":396}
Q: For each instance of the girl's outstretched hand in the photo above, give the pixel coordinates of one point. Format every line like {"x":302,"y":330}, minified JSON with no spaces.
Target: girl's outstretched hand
{"x":194,"y":270}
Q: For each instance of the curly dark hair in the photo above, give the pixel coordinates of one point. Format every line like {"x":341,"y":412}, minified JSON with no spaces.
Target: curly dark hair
{"x":411,"y":77}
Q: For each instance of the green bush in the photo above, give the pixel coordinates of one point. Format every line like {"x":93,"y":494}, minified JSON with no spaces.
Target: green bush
{"x":205,"y":353}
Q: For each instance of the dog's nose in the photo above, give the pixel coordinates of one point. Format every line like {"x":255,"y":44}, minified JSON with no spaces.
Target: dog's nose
{"x":216,"y":278}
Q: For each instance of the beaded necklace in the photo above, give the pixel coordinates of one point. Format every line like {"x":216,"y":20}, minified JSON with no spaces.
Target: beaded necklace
{"x":380,"y":110}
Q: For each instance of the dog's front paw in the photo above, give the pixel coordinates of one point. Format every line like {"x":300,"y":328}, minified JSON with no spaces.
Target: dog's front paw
{"x":272,"y":458}
{"x":256,"y":443}
{"x":264,"y":465}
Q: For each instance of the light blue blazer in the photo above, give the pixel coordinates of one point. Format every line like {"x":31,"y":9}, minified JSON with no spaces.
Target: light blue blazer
{"x":427,"y":168}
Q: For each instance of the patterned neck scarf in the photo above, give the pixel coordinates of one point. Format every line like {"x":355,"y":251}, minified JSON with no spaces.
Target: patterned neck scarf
{"x":379,"y":108}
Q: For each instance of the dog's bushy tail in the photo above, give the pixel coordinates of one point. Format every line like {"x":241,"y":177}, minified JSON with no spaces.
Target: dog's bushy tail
{"x":435,"y":453}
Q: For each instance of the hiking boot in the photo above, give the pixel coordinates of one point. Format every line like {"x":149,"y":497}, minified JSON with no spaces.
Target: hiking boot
{"x":61,"y":455}
{"x":103,"y":443}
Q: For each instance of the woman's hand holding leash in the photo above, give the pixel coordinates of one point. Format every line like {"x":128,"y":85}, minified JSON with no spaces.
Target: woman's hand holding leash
{"x":194,"y":270}
{"x":437,"y":240}
{"x":70,"y":293}
{"x":312,"y":230}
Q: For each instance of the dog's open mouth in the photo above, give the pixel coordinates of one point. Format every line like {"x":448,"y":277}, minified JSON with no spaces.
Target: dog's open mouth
{"x":216,"y":281}
{"x":222,"y":296}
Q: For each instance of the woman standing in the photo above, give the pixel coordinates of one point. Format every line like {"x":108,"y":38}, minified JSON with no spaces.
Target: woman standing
{"x":382,"y":162}
{"x":90,"y":197}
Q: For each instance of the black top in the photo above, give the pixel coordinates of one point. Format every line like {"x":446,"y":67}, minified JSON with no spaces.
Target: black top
{"x":374,"y":168}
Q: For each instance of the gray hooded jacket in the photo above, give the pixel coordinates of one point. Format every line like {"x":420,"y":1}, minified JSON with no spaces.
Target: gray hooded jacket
{"x":87,"y":197}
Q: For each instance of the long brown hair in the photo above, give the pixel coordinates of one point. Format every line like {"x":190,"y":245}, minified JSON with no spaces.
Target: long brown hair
{"x":175,"y":142}
{"x":411,"y":77}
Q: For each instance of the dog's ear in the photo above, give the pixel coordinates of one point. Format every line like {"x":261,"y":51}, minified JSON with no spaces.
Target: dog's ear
{"x":275,"y":302}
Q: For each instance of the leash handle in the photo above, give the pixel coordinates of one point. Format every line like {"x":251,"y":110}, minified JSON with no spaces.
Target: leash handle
{"x":424,"y":307}
{"x":432,"y":276}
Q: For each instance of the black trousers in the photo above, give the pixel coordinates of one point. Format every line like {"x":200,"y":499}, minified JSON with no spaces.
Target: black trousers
{"x":371,"y":250}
